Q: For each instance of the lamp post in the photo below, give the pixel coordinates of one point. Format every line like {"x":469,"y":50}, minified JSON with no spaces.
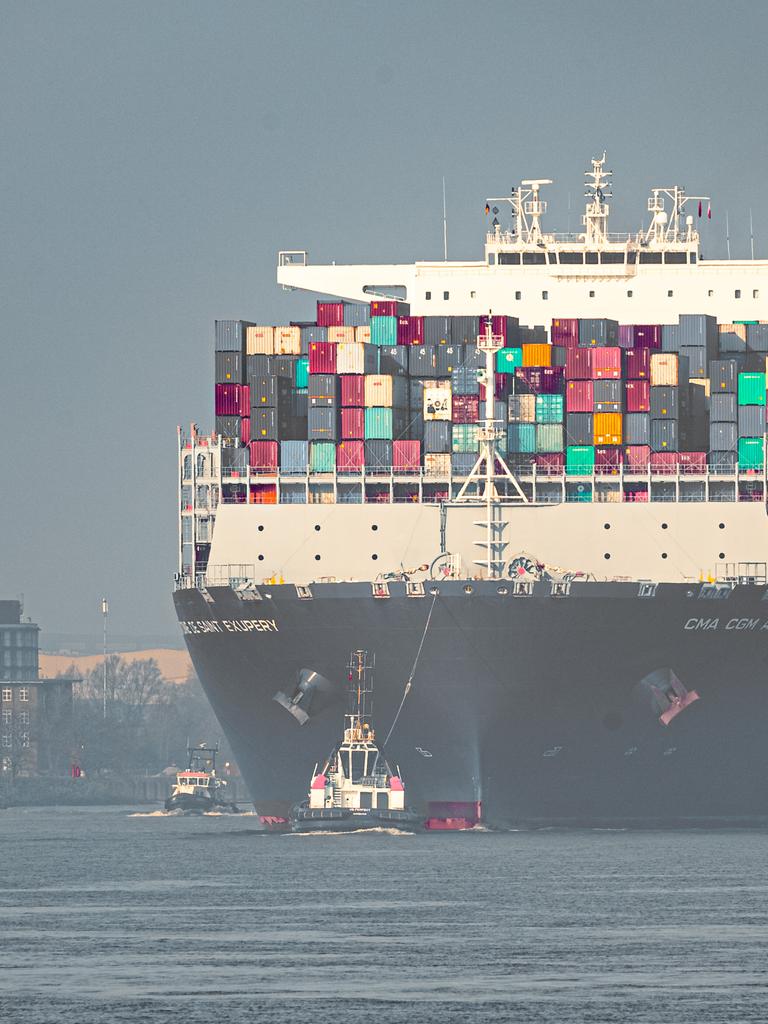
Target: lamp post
{"x":105,"y":613}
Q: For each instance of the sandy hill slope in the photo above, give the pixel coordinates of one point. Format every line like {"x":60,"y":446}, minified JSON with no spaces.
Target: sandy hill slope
{"x":174,"y":665}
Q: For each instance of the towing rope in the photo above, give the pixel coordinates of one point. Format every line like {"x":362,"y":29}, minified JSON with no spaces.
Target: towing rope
{"x":409,"y":683}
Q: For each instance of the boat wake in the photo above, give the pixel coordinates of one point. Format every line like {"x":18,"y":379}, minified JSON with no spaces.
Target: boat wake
{"x":186,"y":814}
{"x":352,"y":832}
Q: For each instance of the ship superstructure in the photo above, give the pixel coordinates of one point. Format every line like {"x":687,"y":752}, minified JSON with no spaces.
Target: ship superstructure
{"x":555,"y":456}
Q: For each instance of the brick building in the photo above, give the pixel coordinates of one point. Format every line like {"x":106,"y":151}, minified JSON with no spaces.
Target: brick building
{"x":35,"y":713}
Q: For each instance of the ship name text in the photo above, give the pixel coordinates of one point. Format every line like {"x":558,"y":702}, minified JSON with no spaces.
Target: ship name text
{"x":230,"y":626}
{"x":740,"y":625}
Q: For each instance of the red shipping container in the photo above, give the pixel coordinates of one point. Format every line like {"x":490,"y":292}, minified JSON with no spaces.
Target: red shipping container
{"x":465,"y":408}
{"x":388,"y":307}
{"x":229,"y":400}
{"x":664,"y":462}
{"x":353,"y":390}
{"x":263,"y":456}
{"x":330,"y":314}
{"x":501,"y":387}
{"x":322,"y":357}
{"x":350,"y":455}
{"x":646,"y":336}
{"x":608,"y":459}
{"x":245,"y":429}
{"x":406,"y":456}
{"x":542,"y":380}
{"x":352,"y":424}
{"x":565,"y":333}
{"x":552,"y":464}
{"x":410,"y":330}
{"x":692,"y":462}
{"x":638,"y":395}
{"x":499,"y":326}
{"x":578,"y":364}
{"x":606,"y":363}
{"x":637,"y":364}
{"x":636,"y":458}
{"x":579,"y":395}
{"x":641,"y":494}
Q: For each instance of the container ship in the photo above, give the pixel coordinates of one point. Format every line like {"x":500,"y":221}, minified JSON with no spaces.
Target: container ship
{"x":533,"y":486}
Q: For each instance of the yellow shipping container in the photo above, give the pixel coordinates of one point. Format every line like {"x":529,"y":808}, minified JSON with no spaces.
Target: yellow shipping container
{"x":363,"y":334}
{"x":664,"y":366}
{"x":378,"y":390}
{"x":437,"y":400}
{"x":437,"y":465}
{"x":287,"y":341}
{"x":260,"y":341}
{"x":607,"y":427}
{"x":740,"y":330}
{"x":340,"y":335}
{"x":537,"y":355}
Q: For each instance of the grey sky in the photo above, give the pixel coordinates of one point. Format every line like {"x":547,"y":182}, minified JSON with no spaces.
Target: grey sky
{"x":157,"y":155}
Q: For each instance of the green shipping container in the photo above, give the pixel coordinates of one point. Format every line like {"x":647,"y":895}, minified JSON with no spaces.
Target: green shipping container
{"x":378,"y":424}
{"x":750,"y":453}
{"x":580,"y":460}
{"x":549,"y":409}
{"x":549,"y":438}
{"x":302,"y":372}
{"x":322,"y":456}
{"x":383,"y":330}
{"x":751,"y":389}
{"x":464,"y":437}
{"x":521,"y":437}
{"x":508,"y":359}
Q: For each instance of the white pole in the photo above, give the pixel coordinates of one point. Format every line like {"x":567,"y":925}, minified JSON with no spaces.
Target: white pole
{"x":105,"y":613}
{"x":751,"y":235}
{"x":727,"y":236}
{"x":445,"y":226}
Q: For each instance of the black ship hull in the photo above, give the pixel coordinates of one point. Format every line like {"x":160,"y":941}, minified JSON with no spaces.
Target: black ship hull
{"x":546,"y":708}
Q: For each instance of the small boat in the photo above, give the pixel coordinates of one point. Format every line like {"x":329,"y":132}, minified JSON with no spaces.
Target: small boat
{"x":199,"y":789}
{"x":356,"y":788}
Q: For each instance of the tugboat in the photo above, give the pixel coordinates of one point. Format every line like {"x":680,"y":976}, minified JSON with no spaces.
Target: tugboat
{"x":356,"y":788}
{"x":199,"y":789}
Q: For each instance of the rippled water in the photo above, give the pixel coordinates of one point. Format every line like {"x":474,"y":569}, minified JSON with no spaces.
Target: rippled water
{"x":109,"y":916}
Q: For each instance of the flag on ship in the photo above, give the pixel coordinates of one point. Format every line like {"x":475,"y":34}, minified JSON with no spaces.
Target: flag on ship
{"x":487,"y":209}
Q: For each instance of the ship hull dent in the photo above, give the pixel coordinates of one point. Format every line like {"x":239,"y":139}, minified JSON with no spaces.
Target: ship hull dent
{"x":544,"y":708}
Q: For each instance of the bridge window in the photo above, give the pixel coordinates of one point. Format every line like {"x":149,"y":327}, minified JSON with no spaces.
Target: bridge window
{"x":632,"y":257}
{"x":737,"y":293}
{"x":491,"y":258}
{"x":534,"y":259}
{"x":518,"y":295}
{"x":510,"y":258}
{"x":590,"y":257}
{"x":427,"y":295}
{"x":571,"y":257}
{"x":650,"y":257}
{"x":675,"y":257}
{"x":692,"y":258}
{"x":545,"y":295}
{"x":612,"y":257}
{"x":553,"y":257}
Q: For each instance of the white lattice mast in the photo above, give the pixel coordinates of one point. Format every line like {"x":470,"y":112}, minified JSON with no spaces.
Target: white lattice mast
{"x":597,"y":188}
{"x":490,"y":466}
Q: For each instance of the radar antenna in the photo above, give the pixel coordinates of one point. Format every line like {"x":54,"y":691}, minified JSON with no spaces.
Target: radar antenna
{"x":597,"y":188}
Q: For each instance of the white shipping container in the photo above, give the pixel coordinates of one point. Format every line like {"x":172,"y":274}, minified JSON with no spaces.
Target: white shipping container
{"x":363,"y":334}
{"x":378,"y":391}
{"x":437,"y":400}
{"x":664,"y":369}
{"x":437,"y":465}
{"x":287,"y":341}
{"x":350,"y":355}
{"x":341,"y":335}
{"x":259,"y":341}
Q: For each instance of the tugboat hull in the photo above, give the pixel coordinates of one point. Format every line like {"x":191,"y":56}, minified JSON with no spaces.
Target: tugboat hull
{"x":343,"y":819}
{"x":192,"y":804}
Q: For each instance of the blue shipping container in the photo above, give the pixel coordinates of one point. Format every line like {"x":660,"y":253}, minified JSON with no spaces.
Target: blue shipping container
{"x":383,"y":330}
{"x":521,"y":437}
{"x":294,"y":457}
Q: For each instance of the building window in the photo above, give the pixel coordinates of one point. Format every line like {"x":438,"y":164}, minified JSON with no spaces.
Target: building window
{"x":630,"y":294}
{"x":6,"y":739}
{"x":518,"y":295}
{"x":201,"y":465}
{"x":25,"y":739}
{"x":591,"y":295}
{"x":8,"y":694}
{"x":737,"y":293}
{"x":670,"y":293}
{"x":545,"y":295}
{"x":427,"y":295}
{"x":23,"y":718}
{"x":7,"y":717}
{"x":187,"y":467}
{"x":23,"y":694}
{"x":6,"y":764}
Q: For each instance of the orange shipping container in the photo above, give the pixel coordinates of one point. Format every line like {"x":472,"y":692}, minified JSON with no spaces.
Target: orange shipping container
{"x":287,"y":341}
{"x":378,"y":390}
{"x":740,"y":330}
{"x":260,"y":341}
{"x":664,"y":369}
{"x":339,"y":335}
{"x":607,"y":427}
{"x":537,"y":355}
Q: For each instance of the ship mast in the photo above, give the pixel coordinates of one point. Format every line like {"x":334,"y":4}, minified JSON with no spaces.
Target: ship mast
{"x":490,"y":465}
{"x":597,"y":188}
{"x":358,"y":728}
